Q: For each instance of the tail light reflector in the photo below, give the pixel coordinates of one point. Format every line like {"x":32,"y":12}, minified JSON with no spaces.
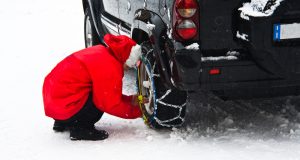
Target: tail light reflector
{"x":186,"y":8}
{"x":186,"y":29}
{"x":215,"y":71}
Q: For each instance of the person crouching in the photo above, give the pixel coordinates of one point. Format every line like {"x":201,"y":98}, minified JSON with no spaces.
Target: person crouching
{"x":87,"y":84}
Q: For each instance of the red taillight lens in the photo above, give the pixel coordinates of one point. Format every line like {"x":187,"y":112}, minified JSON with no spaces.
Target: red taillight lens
{"x":186,"y":29}
{"x":186,"y":20}
{"x":186,"y":8}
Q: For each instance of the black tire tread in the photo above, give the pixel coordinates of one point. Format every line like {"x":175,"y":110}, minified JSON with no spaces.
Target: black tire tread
{"x":95,"y":36}
{"x":175,"y":97}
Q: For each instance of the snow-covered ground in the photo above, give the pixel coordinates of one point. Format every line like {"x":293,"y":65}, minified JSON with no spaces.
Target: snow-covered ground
{"x":36,"y":34}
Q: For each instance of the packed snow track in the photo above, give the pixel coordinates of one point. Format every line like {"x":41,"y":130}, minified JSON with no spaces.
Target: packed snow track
{"x":38,"y":34}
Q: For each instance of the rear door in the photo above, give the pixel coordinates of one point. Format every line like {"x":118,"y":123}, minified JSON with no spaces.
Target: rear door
{"x":127,"y":10}
{"x":110,"y":18}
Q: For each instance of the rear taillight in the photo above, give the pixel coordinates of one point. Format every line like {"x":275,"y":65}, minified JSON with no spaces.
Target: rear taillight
{"x":186,"y":29}
{"x":186,"y":8}
{"x":186,"y":20}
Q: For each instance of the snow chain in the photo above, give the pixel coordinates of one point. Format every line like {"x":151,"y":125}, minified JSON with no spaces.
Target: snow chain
{"x":140,"y":97}
{"x":156,"y":100}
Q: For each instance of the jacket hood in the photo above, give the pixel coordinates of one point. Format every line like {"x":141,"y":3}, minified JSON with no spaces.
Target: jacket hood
{"x":120,"y":46}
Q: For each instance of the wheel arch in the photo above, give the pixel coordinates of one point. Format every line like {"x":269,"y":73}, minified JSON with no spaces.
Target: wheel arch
{"x":139,"y":35}
{"x":157,"y":36}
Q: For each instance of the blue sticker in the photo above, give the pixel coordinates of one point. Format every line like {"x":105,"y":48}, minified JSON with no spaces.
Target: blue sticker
{"x":276,"y":34}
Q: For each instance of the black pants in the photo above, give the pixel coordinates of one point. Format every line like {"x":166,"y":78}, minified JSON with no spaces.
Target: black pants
{"x":86,"y":117}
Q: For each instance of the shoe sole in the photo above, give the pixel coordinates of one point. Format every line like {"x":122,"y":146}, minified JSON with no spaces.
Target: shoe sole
{"x":79,"y":139}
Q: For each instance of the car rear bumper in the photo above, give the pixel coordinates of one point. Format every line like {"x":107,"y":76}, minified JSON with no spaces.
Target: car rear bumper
{"x":229,"y":78}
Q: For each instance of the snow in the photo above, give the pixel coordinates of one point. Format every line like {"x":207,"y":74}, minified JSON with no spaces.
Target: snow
{"x":219,"y":58}
{"x":137,"y":15}
{"x":256,"y":8}
{"x":150,"y":26}
{"x":242,"y":36}
{"x":38,"y":34}
{"x":170,"y":32}
{"x":233,"y":53}
{"x":243,"y":16}
{"x":194,"y":46}
{"x":146,"y":84}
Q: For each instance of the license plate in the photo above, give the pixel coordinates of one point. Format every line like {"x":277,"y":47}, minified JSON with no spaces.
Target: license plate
{"x":286,"y":31}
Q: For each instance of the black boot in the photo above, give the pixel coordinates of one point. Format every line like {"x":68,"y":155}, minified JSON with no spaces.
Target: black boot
{"x":59,"y":126}
{"x":87,"y":133}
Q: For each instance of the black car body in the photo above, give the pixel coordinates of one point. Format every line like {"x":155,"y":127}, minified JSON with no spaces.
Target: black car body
{"x":212,"y":45}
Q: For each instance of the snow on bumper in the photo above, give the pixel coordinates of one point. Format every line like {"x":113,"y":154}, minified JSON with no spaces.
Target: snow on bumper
{"x":259,"y":8}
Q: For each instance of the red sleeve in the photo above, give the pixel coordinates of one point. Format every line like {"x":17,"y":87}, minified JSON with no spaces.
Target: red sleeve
{"x":127,"y":98}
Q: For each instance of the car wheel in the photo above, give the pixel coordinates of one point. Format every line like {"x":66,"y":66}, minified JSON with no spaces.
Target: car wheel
{"x":166,"y":107}
{"x":90,"y":34}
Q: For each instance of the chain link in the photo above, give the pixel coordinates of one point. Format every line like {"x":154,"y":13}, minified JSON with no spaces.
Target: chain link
{"x":160,"y":99}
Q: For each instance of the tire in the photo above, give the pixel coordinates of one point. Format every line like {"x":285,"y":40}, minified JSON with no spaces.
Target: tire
{"x":90,"y":34}
{"x":166,"y":107}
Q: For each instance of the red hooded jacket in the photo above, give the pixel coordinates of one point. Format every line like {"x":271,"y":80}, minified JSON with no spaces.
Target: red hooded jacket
{"x":96,"y":69}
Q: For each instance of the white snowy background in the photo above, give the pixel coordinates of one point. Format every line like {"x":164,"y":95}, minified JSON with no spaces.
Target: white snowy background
{"x":36,"y":34}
